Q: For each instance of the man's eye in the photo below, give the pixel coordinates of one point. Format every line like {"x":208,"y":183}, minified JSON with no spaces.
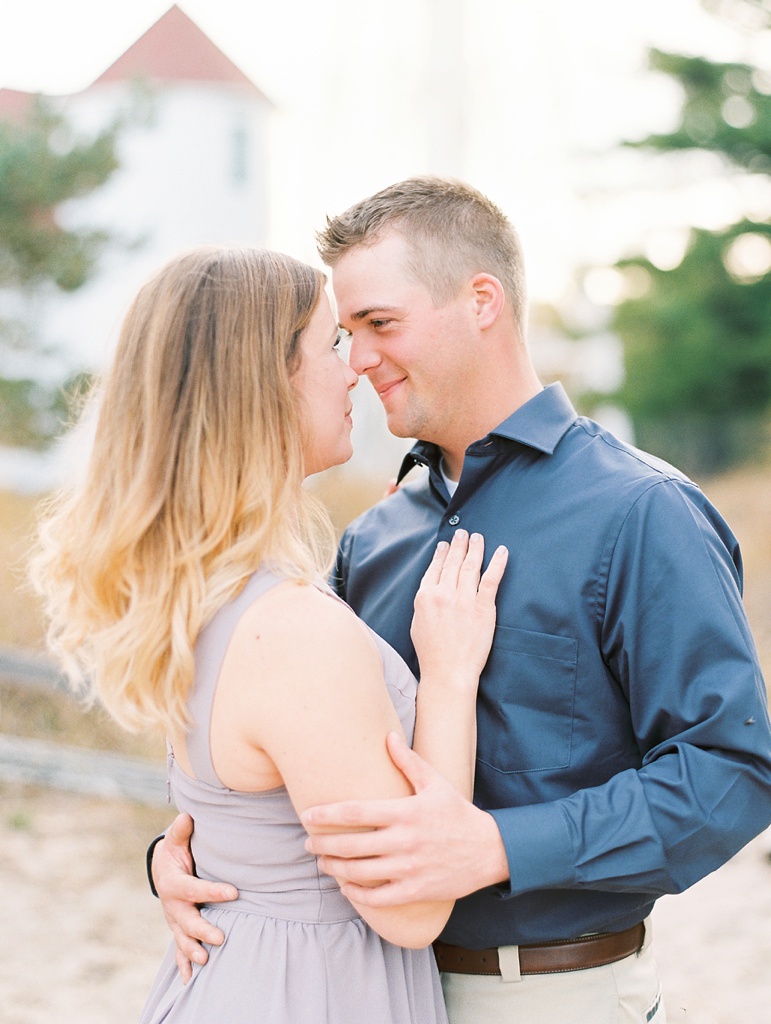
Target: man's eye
{"x":379,"y":323}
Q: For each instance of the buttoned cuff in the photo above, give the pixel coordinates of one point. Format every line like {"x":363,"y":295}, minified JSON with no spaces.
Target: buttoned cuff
{"x":538,"y":848}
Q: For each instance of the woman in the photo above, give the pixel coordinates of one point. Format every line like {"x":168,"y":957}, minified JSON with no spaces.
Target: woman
{"x":183,"y":579}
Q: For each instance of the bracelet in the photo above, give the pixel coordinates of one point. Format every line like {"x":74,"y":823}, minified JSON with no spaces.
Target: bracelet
{"x":149,"y":862}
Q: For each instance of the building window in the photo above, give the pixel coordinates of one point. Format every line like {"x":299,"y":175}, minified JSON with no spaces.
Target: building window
{"x":239,"y":167}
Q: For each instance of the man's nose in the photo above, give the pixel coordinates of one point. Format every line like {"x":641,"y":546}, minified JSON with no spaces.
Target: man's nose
{"x":363,"y":356}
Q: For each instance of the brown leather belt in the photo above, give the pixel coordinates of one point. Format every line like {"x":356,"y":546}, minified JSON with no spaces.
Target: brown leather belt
{"x":547,"y":958}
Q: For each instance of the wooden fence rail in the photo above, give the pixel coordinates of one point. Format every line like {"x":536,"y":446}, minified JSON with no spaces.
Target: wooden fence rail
{"x":28,"y":669}
{"x":77,"y":769}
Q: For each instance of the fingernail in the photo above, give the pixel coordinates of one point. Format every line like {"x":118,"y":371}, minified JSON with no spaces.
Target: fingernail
{"x":460,"y":533}
{"x":442,"y":545}
{"x":475,"y":538}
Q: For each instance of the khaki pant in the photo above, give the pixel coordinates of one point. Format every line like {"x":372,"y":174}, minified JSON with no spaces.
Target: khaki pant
{"x":626,"y":992}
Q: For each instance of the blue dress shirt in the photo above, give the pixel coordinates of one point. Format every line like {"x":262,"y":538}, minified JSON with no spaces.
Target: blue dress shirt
{"x":624,"y":744}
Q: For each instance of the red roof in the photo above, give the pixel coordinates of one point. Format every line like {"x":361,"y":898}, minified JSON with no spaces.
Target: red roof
{"x":15,"y":105}
{"x":174,"y":49}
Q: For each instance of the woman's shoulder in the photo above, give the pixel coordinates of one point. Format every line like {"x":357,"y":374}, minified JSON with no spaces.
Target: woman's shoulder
{"x":294,"y":613}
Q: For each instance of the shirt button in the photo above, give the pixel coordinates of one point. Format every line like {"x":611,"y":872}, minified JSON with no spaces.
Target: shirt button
{"x":454,"y":520}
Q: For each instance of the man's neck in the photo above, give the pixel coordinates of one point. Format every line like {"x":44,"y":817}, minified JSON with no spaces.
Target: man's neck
{"x":454,"y":454}
{"x":452,"y":463}
{"x":446,"y":472}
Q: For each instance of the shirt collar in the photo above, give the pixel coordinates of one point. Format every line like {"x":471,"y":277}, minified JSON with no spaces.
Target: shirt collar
{"x":540,"y":423}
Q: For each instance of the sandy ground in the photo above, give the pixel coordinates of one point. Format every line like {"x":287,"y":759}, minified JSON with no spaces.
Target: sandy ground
{"x":83,"y":937}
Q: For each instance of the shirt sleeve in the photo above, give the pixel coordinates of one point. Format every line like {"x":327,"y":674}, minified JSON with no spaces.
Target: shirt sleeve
{"x":675,"y":636}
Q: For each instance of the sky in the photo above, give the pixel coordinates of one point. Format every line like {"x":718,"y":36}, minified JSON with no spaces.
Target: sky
{"x":526,"y":99}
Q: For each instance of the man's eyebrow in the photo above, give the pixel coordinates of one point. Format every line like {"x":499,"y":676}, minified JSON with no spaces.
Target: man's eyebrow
{"x":362,"y":313}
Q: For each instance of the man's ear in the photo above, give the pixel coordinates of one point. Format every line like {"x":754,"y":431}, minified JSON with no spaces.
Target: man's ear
{"x":488,"y":298}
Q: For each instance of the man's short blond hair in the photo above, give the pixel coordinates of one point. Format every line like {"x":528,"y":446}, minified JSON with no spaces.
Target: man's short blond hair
{"x":453,"y":232}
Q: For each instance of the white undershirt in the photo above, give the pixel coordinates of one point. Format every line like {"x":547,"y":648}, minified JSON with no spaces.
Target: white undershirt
{"x":451,"y":485}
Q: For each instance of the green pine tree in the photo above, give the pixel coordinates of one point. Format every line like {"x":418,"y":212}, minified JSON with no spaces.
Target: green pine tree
{"x":43,"y":164}
{"x":697,"y":343}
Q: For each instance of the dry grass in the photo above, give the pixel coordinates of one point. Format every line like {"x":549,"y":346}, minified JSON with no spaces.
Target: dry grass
{"x":345,"y":496}
{"x":743,"y":496}
{"x":21,"y":622}
{"x":56,"y":717}
{"x":32,"y":712}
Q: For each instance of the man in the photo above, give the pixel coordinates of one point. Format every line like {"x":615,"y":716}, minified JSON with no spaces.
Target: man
{"x":624,"y":747}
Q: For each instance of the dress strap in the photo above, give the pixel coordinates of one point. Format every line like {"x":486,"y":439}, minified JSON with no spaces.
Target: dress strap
{"x":210,"y":650}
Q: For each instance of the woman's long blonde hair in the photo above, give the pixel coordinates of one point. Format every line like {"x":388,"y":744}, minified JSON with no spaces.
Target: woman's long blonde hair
{"x":195,"y":478}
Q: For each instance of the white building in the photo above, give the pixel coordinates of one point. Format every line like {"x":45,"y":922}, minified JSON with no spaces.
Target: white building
{"x":193,"y":169}
{"x":197,"y":170}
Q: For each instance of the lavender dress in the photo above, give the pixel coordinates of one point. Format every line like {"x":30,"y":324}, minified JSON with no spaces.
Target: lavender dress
{"x":296,"y":951}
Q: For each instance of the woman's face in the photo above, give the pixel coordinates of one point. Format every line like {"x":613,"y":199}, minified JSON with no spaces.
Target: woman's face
{"x":324,"y":379}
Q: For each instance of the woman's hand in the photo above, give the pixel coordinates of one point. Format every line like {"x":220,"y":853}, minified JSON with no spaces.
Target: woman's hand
{"x":454,"y":620}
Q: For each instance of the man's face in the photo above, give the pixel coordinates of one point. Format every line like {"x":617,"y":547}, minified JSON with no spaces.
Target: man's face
{"x":413,"y":353}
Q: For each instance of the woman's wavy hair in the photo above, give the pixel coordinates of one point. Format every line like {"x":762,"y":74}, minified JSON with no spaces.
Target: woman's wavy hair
{"x":194,"y":480}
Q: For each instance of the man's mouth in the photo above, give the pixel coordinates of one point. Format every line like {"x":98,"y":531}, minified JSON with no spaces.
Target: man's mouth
{"x":384,"y":390}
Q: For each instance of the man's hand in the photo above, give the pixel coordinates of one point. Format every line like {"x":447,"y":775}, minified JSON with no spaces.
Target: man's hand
{"x":434,"y":845}
{"x":180,"y":892}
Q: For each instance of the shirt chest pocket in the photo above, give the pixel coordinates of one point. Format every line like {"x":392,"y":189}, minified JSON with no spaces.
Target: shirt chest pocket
{"x":526,"y":702}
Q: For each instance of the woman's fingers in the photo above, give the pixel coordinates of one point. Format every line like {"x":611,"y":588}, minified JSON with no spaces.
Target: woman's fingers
{"x":472,"y":563}
{"x":455,"y":558}
{"x":433,"y":573}
{"x":455,"y":607}
{"x":446,"y":562}
{"x":459,"y":563}
{"x":493,"y":574}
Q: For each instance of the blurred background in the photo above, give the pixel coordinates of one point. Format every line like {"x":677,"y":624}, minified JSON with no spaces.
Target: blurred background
{"x":631,"y":146}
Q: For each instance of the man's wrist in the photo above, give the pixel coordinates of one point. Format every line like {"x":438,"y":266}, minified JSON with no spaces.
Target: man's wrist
{"x":149,"y":862}
{"x":538,"y":846}
{"x":496,"y":862}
